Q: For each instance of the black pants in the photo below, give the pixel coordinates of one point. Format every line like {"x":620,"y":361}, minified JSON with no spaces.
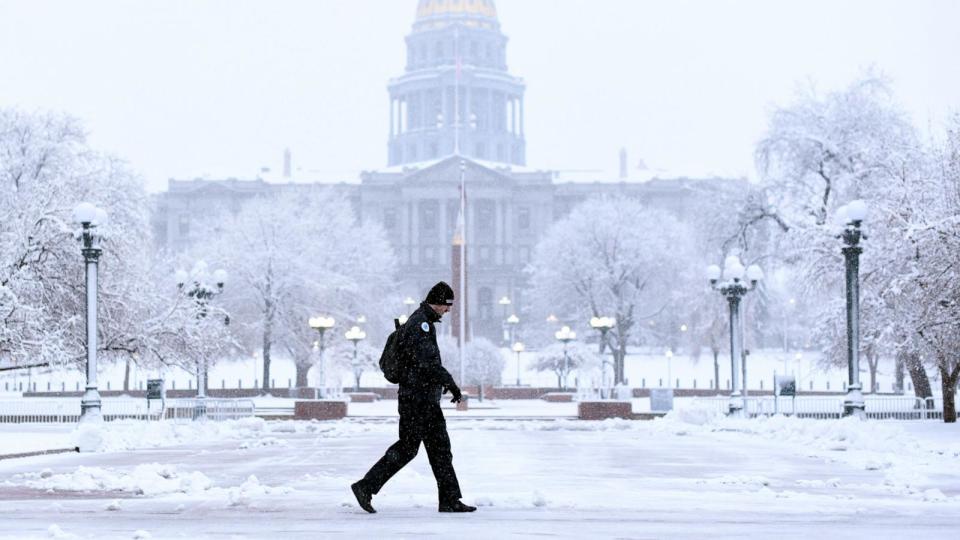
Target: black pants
{"x":420,"y":421}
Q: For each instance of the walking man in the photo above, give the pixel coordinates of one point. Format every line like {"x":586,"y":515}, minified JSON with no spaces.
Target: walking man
{"x":421,"y":419}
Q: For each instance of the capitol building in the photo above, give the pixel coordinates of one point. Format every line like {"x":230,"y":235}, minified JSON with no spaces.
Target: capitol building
{"x":455,"y":105}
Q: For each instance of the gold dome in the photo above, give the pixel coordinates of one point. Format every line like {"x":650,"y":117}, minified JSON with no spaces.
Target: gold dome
{"x":480,"y":8}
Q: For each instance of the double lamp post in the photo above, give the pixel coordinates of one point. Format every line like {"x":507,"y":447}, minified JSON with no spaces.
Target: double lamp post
{"x":733,"y":288}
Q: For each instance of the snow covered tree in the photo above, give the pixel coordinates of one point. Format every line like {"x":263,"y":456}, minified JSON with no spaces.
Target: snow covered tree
{"x":46,"y":168}
{"x":927,"y":285}
{"x":578,"y":356}
{"x":612,"y":257}
{"x":295,"y":255}
{"x":484,"y":363}
{"x":367,"y":358}
{"x":821,"y":152}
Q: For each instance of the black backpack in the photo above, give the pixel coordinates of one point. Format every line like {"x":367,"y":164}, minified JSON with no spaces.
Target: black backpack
{"x":391,"y":359}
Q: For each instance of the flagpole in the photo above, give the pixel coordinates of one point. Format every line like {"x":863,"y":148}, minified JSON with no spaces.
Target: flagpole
{"x":462,"y":293}
{"x":456,"y":92}
{"x":463,"y":272}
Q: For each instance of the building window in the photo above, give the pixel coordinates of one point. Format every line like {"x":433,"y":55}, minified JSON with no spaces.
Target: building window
{"x":486,"y":226}
{"x":501,"y":153}
{"x":525,"y":255}
{"x":429,"y":256}
{"x":523,"y":219}
{"x":485,"y":303}
{"x":434,"y":150}
{"x":184,"y":225}
{"x":480,"y":150}
{"x":389,"y":218}
{"x":428,"y":217}
{"x":412,"y":152}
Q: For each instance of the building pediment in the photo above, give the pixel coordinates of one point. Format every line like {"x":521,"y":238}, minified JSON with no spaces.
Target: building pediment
{"x":447,"y":172}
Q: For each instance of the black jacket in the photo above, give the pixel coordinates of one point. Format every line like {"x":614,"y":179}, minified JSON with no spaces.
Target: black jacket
{"x":426,"y":377}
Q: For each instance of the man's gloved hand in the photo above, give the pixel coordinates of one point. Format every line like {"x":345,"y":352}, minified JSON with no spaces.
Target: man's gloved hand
{"x":455,"y":390}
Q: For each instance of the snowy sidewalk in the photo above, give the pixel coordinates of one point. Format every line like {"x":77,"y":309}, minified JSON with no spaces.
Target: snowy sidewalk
{"x":24,"y":438}
{"x":618,"y":479}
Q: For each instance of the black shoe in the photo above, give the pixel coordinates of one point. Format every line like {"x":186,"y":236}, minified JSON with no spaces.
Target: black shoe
{"x":363,"y":497}
{"x":456,"y":506}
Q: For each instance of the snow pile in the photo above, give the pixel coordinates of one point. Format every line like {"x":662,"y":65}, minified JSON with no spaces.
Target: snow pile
{"x":835,"y":435}
{"x":696,"y":413}
{"x":132,"y":434}
{"x":252,"y":488}
{"x":147,"y":479}
{"x":54,"y":531}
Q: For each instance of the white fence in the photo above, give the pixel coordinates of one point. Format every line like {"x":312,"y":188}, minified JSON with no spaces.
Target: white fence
{"x":824,"y":407}
{"x":68,"y":410}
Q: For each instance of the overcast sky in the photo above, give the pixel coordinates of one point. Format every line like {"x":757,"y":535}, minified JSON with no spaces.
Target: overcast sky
{"x":182,"y":88}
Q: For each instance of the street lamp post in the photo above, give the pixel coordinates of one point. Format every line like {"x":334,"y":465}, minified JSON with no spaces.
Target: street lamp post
{"x":201,"y":293}
{"x":565,"y":335}
{"x":734,"y":289}
{"x":355,"y":335}
{"x":321,"y":325}
{"x":518,"y":348}
{"x":505,"y":303}
{"x":850,"y":217}
{"x":512,"y":322}
{"x":603,"y":325}
{"x":669,"y":355}
{"x":91,"y":219}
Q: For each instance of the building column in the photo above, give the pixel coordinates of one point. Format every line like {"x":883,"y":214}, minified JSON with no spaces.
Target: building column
{"x":444,"y":110}
{"x":392,"y":132}
{"x":509,"y":217}
{"x":521,"y":118}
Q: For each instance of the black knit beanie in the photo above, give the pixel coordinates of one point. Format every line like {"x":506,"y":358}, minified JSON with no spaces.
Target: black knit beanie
{"x":440,"y":295}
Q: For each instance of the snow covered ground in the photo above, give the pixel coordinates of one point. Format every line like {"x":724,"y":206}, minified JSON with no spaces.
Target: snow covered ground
{"x":689,"y":475}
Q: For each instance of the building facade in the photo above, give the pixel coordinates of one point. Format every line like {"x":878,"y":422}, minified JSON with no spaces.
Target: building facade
{"x":456,"y":103}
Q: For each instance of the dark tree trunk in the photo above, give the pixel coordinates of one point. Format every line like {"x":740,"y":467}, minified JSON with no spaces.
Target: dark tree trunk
{"x":559,"y":381}
{"x":899,"y":373}
{"x":126,"y":375}
{"x":948,"y":383}
{"x":918,"y":375}
{"x":302,"y":369}
{"x":620,"y":356}
{"x":267,"y":342}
